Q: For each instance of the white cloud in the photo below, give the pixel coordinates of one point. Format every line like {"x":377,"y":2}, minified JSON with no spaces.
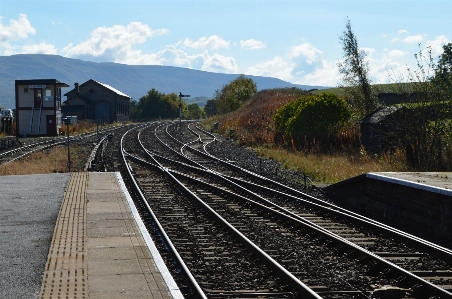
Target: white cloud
{"x":384,"y":35}
{"x":116,"y":43}
{"x":42,"y":48}
{"x":276,"y":68}
{"x":436,"y":45}
{"x":394,"y":40}
{"x":396,"y":54}
{"x":308,"y":51}
{"x":171,"y":55}
{"x":16,"y":29}
{"x":413,"y":39}
{"x":252,"y":44}
{"x":402,"y":31}
{"x":368,"y":51}
{"x":327,"y":74}
{"x":218,"y":63}
{"x":213,"y":42}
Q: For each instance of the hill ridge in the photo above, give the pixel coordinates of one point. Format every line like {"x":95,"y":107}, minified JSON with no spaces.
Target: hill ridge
{"x":133,"y":80}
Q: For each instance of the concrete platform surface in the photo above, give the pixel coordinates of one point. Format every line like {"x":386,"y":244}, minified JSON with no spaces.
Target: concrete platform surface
{"x":100,"y":248}
{"x":29,"y":206}
{"x":438,"y":182}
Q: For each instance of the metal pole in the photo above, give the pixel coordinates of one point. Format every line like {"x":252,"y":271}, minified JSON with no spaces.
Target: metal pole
{"x":180,"y":116}
{"x":68,"y":151}
{"x":180,"y":109}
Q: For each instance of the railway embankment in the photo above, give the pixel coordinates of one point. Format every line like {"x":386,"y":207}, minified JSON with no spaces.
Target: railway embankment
{"x":417,"y":203}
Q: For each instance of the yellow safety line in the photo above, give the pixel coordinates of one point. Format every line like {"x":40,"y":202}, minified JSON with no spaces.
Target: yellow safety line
{"x":65,"y":274}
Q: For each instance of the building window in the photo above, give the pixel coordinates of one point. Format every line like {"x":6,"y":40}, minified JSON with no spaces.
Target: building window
{"x":25,"y":90}
{"x":49,"y":96}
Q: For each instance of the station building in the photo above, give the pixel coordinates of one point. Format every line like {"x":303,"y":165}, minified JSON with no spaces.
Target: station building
{"x":97,"y":101}
{"x":38,"y":107}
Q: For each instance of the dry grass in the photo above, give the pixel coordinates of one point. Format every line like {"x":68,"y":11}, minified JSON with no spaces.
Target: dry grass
{"x":51,"y":161}
{"x":323,"y":168}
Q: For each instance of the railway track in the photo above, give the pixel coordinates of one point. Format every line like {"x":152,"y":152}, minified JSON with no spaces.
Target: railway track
{"x":236,"y":234}
{"x":32,"y":145}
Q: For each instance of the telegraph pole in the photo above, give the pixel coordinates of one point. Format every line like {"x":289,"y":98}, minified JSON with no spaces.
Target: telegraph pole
{"x":67,"y":122}
{"x":180,"y":109}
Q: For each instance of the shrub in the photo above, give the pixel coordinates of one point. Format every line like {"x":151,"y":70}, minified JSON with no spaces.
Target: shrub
{"x":312,"y":120}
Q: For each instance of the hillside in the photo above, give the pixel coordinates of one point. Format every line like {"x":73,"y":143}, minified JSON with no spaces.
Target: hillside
{"x":133,"y":80}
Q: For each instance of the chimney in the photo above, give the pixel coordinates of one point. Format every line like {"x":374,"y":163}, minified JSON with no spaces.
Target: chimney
{"x":76,"y":87}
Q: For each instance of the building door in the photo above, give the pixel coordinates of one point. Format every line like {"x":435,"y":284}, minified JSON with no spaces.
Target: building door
{"x":51,"y":125}
{"x":102,"y":111}
{"x":38,"y":97}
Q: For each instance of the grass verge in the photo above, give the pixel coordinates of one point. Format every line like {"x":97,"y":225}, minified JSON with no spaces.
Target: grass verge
{"x":323,"y":168}
{"x":49,"y":161}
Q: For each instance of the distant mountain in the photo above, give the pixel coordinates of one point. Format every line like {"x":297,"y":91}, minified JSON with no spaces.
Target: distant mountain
{"x":133,"y":80}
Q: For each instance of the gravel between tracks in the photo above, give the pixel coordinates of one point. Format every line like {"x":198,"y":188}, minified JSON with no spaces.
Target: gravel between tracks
{"x":272,"y":169}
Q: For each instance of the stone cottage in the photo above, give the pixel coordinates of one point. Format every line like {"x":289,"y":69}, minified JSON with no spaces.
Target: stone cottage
{"x":96,"y":101}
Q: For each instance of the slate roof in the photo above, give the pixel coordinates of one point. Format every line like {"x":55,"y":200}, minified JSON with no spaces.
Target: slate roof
{"x":378,"y":115}
{"x":112,"y":89}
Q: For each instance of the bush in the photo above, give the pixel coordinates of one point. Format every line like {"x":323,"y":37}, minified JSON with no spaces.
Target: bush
{"x":312,"y":120}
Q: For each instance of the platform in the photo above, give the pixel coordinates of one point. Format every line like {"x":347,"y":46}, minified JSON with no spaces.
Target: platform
{"x":437,"y":182}
{"x":100,"y":248}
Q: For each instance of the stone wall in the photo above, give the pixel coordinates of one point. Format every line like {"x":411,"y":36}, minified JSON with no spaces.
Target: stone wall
{"x":425,"y":214}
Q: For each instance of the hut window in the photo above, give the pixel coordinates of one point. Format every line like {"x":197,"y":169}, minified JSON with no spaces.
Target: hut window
{"x":49,"y":96}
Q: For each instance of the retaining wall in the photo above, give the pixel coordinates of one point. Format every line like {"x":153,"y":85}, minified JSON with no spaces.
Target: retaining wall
{"x":422,"y":213}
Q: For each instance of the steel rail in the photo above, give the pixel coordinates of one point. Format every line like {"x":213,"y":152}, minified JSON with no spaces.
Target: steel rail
{"x":171,"y":248}
{"x":411,"y":239}
{"x":289,"y":278}
{"x":420,"y":243}
{"x":270,"y":207}
{"x":372,"y":223}
{"x":39,"y":146}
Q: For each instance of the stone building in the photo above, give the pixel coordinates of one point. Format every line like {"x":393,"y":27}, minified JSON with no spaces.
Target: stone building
{"x":96,"y":101}
{"x":380,"y":130}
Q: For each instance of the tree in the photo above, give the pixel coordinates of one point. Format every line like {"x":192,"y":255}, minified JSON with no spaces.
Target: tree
{"x":424,"y":131}
{"x":234,"y":94}
{"x":355,"y":71}
{"x":134,"y":113}
{"x":158,"y":105}
{"x":210,"y":109}
{"x":195,"y":112}
{"x":172,"y":102}
{"x":443,"y":70}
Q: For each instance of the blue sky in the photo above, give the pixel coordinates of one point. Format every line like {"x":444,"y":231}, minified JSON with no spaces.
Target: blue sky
{"x":296,"y":41}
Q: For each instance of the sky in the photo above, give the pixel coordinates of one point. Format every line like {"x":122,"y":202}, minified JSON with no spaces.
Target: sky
{"x":296,"y":41}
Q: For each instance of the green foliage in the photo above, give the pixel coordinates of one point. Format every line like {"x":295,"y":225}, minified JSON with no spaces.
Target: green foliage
{"x":210,"y":108}
{"x":285,"y":113}
{"x":355,"y":70}
{"x":195,"y":112}
{"x":424,"y":132}
{"x":234,"y":94}
{"x":443,"y":72}
{"x":156,"y":105}
{"x":312,"y":116}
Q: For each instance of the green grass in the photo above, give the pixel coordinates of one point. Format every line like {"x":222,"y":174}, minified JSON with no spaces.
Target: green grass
{"x":394,"y":87}
{"x":324,"y":168}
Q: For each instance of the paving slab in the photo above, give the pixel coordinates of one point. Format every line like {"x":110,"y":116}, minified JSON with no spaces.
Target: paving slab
{"x":101,"y":248}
